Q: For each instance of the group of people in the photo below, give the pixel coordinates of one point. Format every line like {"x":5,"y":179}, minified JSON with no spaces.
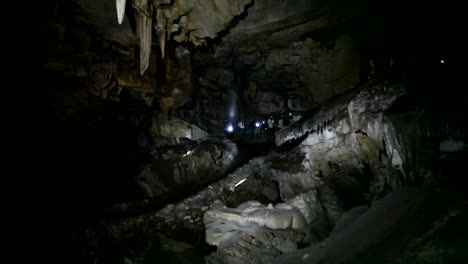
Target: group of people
{"x":256,"y":128}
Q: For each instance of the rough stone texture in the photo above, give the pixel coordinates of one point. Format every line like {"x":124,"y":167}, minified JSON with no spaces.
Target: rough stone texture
{"x":331,"y":71}
{"x":350,"y":132}
{"x":302,"y":74}
{"x":170,"y":131}
{"x":256,"y":233}
{"x":381,"y":233}
{"x":185,"y":167}
{"x":196,"y":21}
{"x":102,"y":15}
{"x":249,"y":226}
{"x":145,"y":29}
{"x":196,"y":84}
{"x":241,"y":243}
{"x":220,"y":221}
{"x":264,"y":103}
{"x":274,"y":56}
{"x":266,"y":17}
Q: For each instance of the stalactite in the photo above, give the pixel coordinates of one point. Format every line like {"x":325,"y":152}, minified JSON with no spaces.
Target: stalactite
{"x":120,"y":6}
{"x":144,"y":25}
{"x":161,"y":30}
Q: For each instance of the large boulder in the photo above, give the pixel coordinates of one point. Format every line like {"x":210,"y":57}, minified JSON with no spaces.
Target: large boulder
{"x":185,"y":167}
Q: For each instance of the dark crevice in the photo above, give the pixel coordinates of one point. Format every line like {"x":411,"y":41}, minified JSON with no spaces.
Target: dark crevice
{"x":292,"y":143}
{"x":231,"y":24}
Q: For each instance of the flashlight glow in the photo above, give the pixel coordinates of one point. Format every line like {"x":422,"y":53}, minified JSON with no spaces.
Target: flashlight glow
{"x":230,"y":128}
{"x":257,"y":124}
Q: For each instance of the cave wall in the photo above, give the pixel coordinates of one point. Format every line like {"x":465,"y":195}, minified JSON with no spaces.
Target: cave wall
{"x":268,"y":56}
{"x":288,"y":55}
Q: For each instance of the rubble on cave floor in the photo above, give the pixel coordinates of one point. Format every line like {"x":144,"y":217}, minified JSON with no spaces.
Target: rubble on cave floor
{"x":298,"y":203}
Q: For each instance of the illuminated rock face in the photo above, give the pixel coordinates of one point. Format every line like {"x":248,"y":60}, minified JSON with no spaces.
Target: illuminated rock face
{"x":253,"y":230}
{"x":185,"y":167}
{"x":195,"y":21}
{"x":350,"y":131}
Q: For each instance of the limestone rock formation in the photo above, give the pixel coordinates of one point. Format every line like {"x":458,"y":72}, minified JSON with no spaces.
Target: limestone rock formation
{"x":341,"y":133}
{"x":185,"y":166}
{"x":361,"y":230}
{"x":365,"y":167}
{"x":195,"y":21}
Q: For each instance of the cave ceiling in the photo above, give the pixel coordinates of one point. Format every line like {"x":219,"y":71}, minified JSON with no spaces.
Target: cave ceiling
{"x":189,"y":57}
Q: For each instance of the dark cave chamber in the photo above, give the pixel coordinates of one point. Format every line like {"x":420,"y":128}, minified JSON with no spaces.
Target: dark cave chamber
{"x":365,"y":162}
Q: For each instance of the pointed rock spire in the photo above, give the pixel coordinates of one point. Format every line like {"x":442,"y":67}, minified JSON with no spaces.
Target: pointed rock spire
{"x":120,"y":6}
{"x":161,"y":30}
{"x":144,"y":25}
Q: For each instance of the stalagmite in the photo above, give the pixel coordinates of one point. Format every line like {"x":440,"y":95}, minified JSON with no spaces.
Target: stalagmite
{"x":120,"y":5}
{"x":144,"y":24}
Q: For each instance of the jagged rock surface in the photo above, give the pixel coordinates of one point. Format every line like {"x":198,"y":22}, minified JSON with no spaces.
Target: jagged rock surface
{"x":382,"y":232}
{"x":350,"y":133}
{"x":185,"y":167}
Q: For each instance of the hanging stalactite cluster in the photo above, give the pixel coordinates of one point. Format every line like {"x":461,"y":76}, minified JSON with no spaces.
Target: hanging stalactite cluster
{"x":181,"y":20}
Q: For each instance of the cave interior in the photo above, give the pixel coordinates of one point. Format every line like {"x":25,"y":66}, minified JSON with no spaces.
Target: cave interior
{"x":348,"y":129}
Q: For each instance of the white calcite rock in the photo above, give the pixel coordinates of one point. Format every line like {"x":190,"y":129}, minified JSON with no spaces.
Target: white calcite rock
{"x":220,"y":221}
{"x":120,"y":7}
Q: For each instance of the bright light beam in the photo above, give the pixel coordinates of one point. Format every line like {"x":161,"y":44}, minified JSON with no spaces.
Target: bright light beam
{"x":240,"y":182}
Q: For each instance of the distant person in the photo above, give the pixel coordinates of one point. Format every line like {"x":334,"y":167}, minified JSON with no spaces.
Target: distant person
{"x":280,"y":123}
{"x":241,"y":126}
{"x":271,"y":125}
